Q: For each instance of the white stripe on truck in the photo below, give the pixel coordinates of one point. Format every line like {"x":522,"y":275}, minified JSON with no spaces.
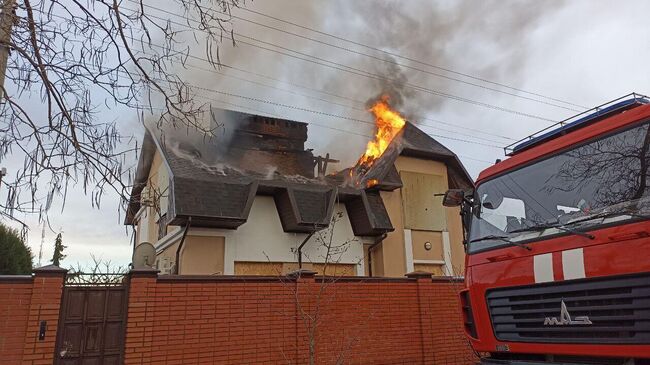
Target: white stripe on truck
{"x":573,"y":264}
{"x":543,"y":267}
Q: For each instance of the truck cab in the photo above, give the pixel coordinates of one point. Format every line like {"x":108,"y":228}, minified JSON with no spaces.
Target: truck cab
{"x":558,"y":244}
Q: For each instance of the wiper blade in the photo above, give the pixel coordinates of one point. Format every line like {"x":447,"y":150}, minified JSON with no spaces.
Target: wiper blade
{"x":501,"y":238}
{"x":561,"y":227}
{"x":490,"y":237}
{"x":608,"y":214}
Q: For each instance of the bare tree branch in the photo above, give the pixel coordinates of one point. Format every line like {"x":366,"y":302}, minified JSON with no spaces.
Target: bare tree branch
{"x":73,"y":62}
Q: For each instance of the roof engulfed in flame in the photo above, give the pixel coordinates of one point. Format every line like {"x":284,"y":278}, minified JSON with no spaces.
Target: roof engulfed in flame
{"x":388,"y":123}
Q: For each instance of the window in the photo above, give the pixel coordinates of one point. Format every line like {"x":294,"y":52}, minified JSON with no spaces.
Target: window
{"x":162,"y":226}
{"x":610,"y":174}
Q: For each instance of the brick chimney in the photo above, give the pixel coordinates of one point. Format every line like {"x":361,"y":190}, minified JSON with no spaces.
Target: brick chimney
{"x":261,"y":143}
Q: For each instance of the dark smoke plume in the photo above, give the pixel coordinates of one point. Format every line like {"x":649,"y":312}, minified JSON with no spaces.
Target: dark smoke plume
{"x":487,"y":39}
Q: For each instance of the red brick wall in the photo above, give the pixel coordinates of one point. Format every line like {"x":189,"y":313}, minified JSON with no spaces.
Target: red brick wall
{"x":254,"y":320}
{"x":242,"y":320}
{"x":24,"y":303}
{"x":15,"y":296}
{"x":44,"y":306}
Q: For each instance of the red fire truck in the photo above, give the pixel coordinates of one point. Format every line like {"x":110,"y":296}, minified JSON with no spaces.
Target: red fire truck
{"x":558,"y":244}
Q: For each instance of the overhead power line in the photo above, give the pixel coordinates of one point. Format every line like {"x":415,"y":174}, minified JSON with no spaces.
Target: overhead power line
{"x":348,"y":98}
{"x":344,"y":68}
{"x":397,"y":63}
{"x":359,"y":72}
{"x":318,"y":91}
{"x":405,"y":65}
{"x":259,"y":100}
{"x":377,"y":49}
{"x":316,"y":112}
{"x":274,"y":115}
{"x":421,"y":125}
{"x":258,"y":111}
{"x":293,"y":107}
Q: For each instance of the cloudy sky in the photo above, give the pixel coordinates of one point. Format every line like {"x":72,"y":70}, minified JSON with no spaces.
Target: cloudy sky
{"x":476,"y":75}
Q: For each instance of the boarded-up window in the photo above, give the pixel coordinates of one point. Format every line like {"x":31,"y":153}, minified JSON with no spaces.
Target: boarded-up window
{"x":258,"y":268}
{"x":203,"y":255}
{"x":336,"y":269}
{"x":437,"y":270}
{"x":423,"y":210}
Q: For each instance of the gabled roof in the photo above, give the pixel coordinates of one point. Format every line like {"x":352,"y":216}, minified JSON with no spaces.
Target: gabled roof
{"x":215,"y":194}
{"x":413,"y":142}
{"x":416,"y":143}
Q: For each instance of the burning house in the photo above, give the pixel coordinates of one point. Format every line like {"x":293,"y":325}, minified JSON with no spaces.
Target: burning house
{"x":252,"y":200}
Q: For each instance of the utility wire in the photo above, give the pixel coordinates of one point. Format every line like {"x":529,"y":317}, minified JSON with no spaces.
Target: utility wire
{"x":359,"y":72}
{"x":386,"y":60}
{"x":212,"y":70}
{"x":348,"y":98}
{"x":393,"y":62}
{"x":377,"y":49}
{"x":343,"y":105}
{"x":274,"y":115}
{"x":293,"y":107}
{"x":344,"y":68}
{"x":316,"y":112}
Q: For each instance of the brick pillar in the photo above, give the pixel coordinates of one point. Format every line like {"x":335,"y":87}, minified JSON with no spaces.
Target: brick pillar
{"x":424,"y":283}
{"x":43,"y":311}
{"x":139,"y":328}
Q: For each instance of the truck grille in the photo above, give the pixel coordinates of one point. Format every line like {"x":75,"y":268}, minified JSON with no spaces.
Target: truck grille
{"x":617,"y":307}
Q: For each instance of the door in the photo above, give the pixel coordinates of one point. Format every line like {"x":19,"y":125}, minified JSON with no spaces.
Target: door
{"x":91,"y":325}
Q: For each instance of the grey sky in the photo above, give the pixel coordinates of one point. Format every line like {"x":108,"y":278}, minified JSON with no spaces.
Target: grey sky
{"x":585,"y":52}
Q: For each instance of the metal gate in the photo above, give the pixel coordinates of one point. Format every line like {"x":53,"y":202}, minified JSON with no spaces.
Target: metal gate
{"x":92,"y":320}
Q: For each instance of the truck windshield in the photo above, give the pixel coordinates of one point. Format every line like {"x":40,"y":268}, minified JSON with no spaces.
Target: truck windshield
{"x":604,"y":178}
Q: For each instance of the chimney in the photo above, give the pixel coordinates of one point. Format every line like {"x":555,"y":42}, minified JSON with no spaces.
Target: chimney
{"x":263,"y":143}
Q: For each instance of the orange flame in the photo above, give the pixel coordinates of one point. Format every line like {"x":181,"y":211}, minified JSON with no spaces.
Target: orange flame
{"x":372,"y":182}
{"x":389,"y":123}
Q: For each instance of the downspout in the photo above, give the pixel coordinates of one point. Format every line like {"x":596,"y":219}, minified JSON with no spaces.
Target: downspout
{"x":180,"y":245}
{"x":378,"y":241}
{"x":300,"y":248}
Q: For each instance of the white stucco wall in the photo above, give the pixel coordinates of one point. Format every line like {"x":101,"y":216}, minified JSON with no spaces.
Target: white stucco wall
{"x":262,"y":239}
{"x":147,"y":218}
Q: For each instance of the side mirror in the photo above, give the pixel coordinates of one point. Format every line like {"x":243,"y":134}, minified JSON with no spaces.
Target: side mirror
{"x":453,"y":198}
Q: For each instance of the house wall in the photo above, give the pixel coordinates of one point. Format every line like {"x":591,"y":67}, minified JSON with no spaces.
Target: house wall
{"x":258,"y":245}
{"x":403,"y":250}
{"x":157,"y":182}
{"x":166,"y":258}
{"x":455,"y":228}
{"x":390,"y":256}
{"x":262,"y":239}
